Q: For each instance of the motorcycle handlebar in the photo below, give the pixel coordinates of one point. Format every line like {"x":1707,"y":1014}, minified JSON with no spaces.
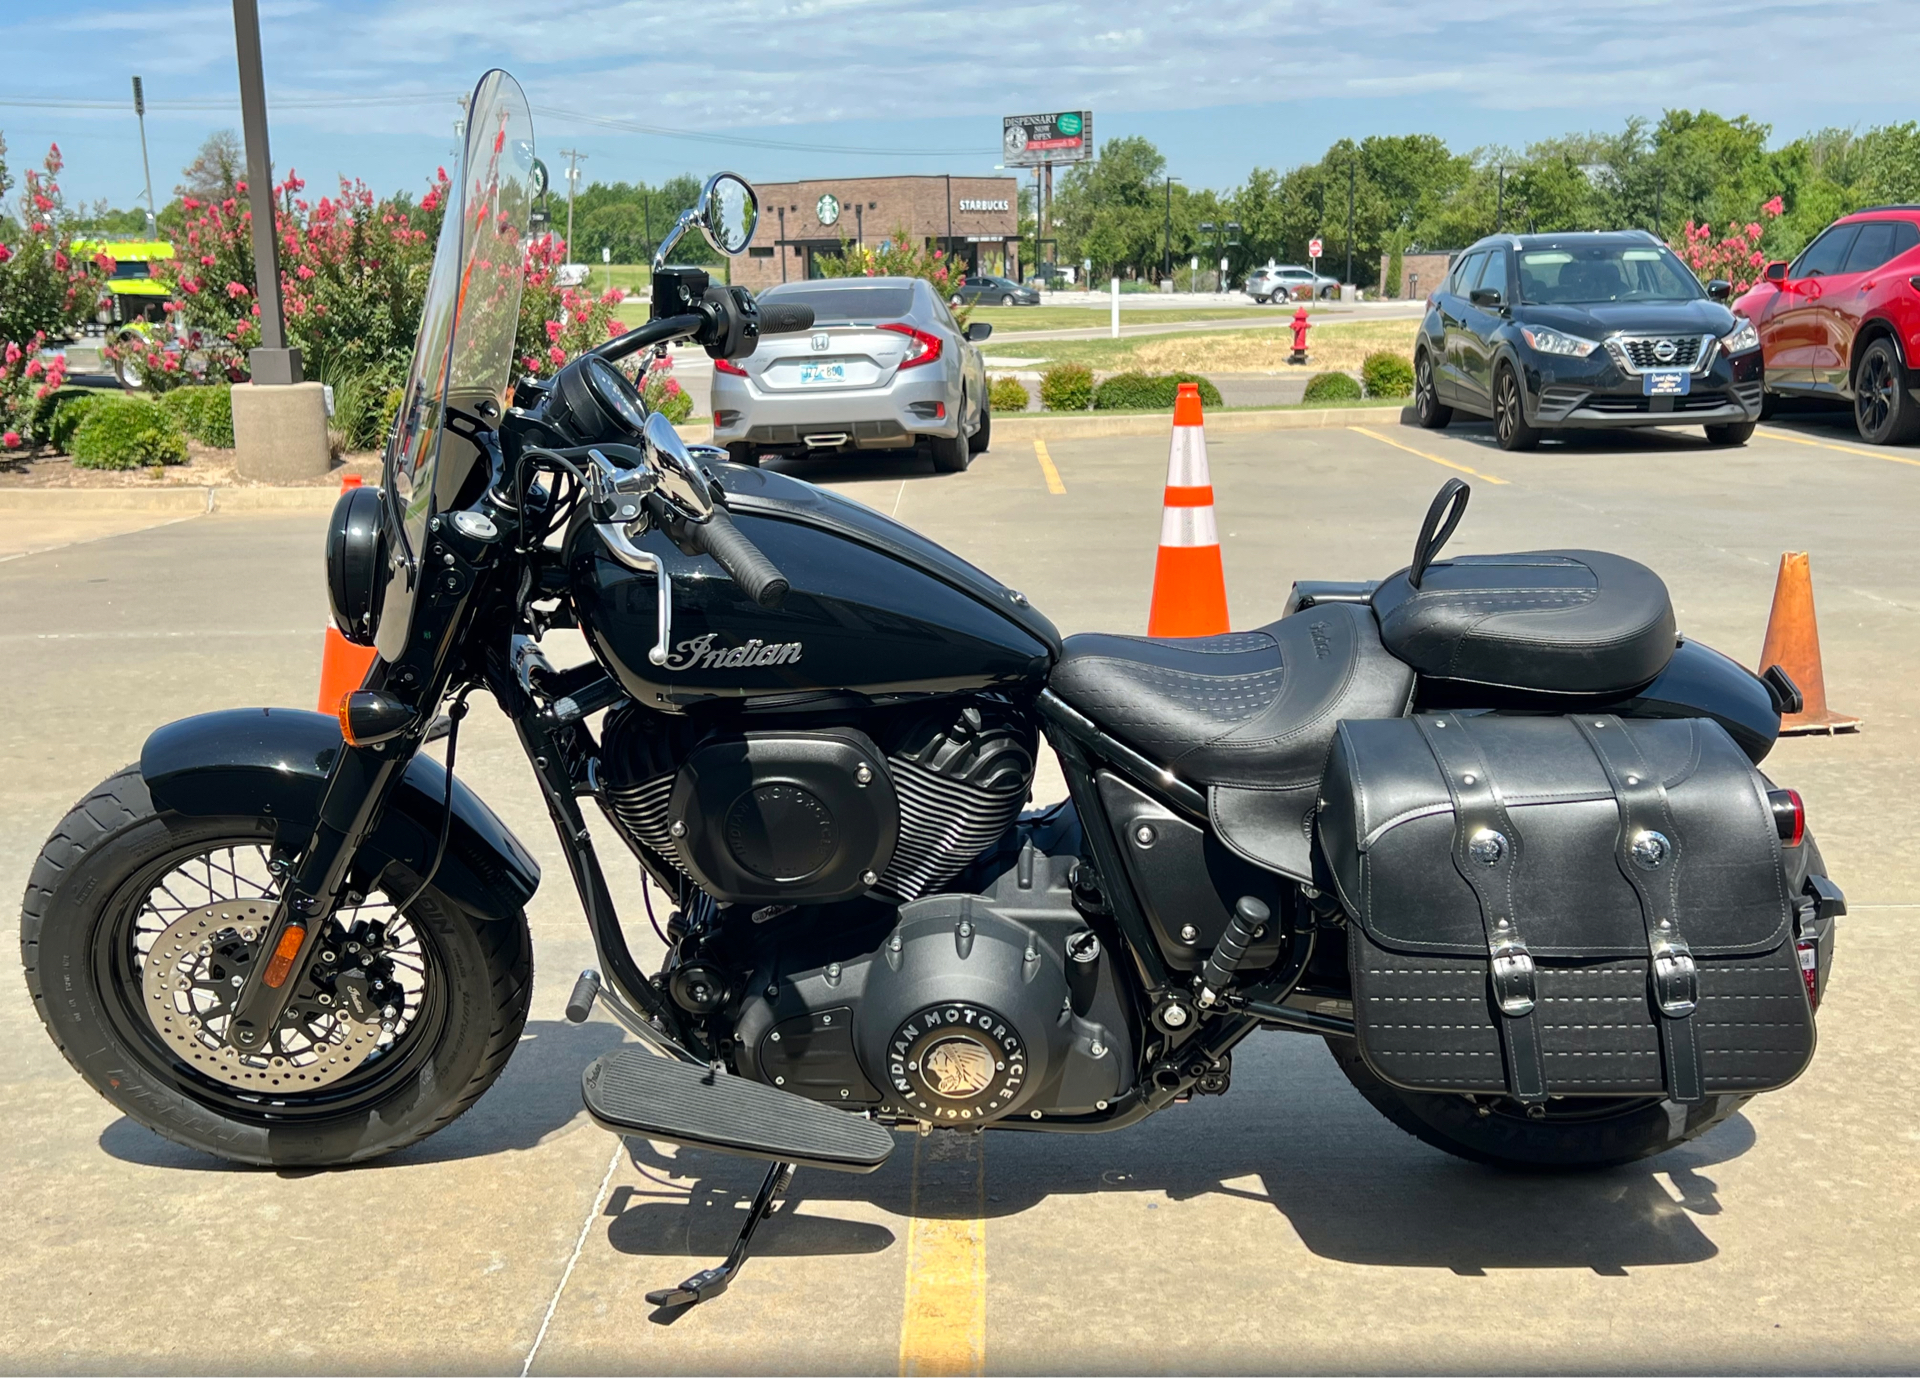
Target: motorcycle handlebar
{"x":652,"y":333}
{"x":755,"y":573}
{"x":784,"y":318}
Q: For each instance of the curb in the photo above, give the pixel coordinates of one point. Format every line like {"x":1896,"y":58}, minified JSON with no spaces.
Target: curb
{"x":182,"y":500}
{"x":1057,"y":426}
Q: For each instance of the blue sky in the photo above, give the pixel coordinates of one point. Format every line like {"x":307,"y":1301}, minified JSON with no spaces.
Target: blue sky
{"x":367,"y":87}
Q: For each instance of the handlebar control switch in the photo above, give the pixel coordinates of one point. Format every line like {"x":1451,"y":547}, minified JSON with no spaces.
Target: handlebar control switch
{"x":678,"y":291}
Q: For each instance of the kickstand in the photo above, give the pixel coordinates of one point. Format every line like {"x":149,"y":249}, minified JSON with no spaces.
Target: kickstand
{"x":711,"y":1282}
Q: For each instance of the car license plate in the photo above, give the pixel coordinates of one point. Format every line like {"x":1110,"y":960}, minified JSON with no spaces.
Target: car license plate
{"x":1667,"y":382}
{"x":835,"y":372}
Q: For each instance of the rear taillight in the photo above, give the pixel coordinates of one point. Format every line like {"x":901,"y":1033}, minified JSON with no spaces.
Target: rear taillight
{"x":922,"y":348}
{"x":1789,"y":815}
{"x":1810,"y":969}
{"x":729,"y":366}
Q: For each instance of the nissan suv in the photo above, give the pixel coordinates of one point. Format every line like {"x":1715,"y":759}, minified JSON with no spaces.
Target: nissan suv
{"x":1550,"y":331}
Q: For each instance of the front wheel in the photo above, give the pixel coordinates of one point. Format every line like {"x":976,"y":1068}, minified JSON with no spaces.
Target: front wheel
{"x":1426,"y":397}
{"x":1510,"y":426}
{"x":1577,"y":1134}
{"x":1733,"y":433}
{"x":1006,"y":301}
{"x":139,"y":925}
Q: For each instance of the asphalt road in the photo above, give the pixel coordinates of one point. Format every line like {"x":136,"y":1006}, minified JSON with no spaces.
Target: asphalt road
{"x":1282,"y":1227}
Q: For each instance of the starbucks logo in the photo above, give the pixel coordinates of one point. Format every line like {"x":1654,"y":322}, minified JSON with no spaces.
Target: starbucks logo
{"x":827,"y":209}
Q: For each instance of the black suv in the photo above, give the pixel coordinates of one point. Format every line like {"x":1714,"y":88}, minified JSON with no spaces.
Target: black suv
{"x":1542,"y":331}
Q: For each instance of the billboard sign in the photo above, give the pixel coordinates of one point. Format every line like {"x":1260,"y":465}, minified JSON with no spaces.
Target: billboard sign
{"x":1063,"y":137}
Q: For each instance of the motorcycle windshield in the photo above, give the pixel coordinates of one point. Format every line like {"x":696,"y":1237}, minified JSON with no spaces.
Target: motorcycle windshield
{"x":463,"y":354}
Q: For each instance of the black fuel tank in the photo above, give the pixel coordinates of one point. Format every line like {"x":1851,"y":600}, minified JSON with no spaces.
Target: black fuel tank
{"x":875,"y":608}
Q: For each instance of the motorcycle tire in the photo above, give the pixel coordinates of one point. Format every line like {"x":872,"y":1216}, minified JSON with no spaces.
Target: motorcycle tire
{"x":91,"y":890}
{"x":1569,"y":1136}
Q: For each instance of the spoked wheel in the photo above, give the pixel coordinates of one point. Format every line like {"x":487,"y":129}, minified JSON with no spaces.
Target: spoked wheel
{"x":1510,"y":426}
{"x":152,"y":922}
{"x":1882,"y":410}
{"x":1577,"y":1134}
{"x":1426,"y":396}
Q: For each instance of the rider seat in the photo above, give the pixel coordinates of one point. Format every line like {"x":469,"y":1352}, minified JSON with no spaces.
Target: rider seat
{"x":1248,"y":716}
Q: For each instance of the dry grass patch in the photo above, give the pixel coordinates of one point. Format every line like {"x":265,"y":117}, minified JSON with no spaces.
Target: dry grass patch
{"x":1335,"y":346}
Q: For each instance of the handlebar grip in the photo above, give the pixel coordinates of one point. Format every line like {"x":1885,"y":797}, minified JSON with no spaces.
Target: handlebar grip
{"x":784,"y":318}
{"x":741,"y":558}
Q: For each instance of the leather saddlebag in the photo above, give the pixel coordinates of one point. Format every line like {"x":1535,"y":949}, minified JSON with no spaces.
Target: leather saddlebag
{"x":1563,"y":906}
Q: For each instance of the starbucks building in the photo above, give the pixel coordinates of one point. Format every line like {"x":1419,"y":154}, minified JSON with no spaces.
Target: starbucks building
{"x":976,"y":220}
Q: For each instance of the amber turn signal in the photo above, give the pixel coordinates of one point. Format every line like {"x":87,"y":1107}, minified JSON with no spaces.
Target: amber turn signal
{"x":283,"y":954}
{"x":368,"y":716}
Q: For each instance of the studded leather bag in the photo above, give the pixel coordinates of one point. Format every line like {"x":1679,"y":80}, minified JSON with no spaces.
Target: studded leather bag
{"x":1563,"y":906}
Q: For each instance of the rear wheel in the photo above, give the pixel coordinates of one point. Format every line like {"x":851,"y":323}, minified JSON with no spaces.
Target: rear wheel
{"x":1426,"y":396}
{"x":1510,"y":426}
{"x":137,"y":924}
{"x":978,"y":442}
{"x":1732,"y":433}
{"x":1883,"y":410}
{"x":1578,"y":1134}
{"x":951,"y":454}
{"x":1006,"y":300}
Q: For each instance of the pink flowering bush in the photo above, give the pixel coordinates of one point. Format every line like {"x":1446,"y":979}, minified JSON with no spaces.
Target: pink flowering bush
{"x":899,"y":255}
{"x":1735,"y":256}
{"x":558,"y":322}
{"x":663,"y":393}
{"x":45,"y":287}
{"x":28,"y":385}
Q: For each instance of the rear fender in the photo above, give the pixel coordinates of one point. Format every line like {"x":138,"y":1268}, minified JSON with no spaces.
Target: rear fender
{"x":273,"y":763}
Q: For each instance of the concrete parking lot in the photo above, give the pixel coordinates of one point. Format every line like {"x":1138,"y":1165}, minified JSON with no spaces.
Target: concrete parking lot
{"x":1284,"y":1227}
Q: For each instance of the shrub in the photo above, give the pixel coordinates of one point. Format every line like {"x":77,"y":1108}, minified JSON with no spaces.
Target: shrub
{"x":27,"y":382}
{"x":1066,"y":387}
{"x":364,"y":401}
{"x":1154,"y":391}
{"x":127,"y":433}
{"x":68,"y":412}
{"x":1332,"y":387}
{"x":664,"y":394}
{"x":1387,"y":374}
{"x":48,"y":285}
{"x":1009,"y":394}
{"x":205,"y":413}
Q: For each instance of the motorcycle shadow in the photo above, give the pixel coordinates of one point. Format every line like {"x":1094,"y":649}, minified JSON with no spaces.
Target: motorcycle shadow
{"x":536,"y":1096}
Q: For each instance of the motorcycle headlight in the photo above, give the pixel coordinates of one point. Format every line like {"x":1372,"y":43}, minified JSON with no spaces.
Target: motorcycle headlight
{"x":356,"y":564}
{"x":1546,"y":341}
{"x":1742,"y":338}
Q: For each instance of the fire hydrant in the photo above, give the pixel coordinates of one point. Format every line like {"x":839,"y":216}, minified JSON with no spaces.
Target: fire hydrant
{"x":1300,"y":328}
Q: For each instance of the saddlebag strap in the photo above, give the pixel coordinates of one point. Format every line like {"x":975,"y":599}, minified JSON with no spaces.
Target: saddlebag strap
{"x":1486,"y":852}
{"x":1648,"y":854}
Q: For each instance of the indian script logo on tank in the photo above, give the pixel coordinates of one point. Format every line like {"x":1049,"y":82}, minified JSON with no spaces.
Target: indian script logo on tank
{"x":699,"y":652}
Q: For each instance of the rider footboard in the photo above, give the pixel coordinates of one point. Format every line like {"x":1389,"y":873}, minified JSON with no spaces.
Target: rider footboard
{"x":1564,"y":906}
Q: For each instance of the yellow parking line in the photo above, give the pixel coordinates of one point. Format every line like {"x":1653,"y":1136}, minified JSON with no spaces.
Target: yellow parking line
{"x":1386,"y":440}
{"x":1054,"y":485}
{"x":1772,"y":434}
{"x":943,"y":1329}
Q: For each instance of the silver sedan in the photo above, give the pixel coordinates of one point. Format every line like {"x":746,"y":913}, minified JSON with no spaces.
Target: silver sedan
{"x":885,"y":367}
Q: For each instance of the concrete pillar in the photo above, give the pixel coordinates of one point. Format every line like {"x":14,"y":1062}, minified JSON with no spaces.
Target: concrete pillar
{"x":280,"y":432}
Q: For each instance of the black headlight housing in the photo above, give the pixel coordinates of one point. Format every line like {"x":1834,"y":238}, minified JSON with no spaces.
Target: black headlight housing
{"x":356,"y":563}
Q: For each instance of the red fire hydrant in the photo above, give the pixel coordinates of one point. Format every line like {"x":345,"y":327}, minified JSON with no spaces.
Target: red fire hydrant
{"x":1300,"y":328}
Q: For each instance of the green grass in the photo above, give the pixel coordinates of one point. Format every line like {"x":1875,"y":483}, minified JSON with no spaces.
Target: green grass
{"x":1014,"y":319}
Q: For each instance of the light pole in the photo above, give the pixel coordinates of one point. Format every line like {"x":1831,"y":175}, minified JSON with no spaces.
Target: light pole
{"x":783,"y":243}
{"x":1166,"y":257}
{"x":1500,"y":202}
{"x":140,"y":113}
{"x":573,"y":176}
{"x":1350,"y":174}
{"x":273,"y":362}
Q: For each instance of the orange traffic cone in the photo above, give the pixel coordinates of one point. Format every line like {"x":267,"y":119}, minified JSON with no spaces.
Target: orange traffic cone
{"x":1189,"y":583}
{"x":1793,"y":643}
{"x":343,"y":665}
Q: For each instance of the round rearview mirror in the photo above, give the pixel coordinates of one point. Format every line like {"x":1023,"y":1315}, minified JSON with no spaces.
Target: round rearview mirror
{"x":728,"y":212}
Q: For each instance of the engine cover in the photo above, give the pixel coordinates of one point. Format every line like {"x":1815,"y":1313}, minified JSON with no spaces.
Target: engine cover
{"x":788,"y":817}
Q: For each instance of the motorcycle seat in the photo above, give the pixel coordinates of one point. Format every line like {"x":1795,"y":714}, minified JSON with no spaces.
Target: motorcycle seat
{"x":1249,"y":716}
{"x":1552,"y":621}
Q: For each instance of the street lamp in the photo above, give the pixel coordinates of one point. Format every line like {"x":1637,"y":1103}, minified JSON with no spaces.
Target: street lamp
{"x":1166,"y":266}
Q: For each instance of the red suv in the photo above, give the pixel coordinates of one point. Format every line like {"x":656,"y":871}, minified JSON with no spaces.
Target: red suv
{"x":1842,"y":321}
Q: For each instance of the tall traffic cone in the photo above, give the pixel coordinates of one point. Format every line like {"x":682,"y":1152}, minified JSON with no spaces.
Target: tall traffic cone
{"x":1793,"y":643}
{"x":343,"y":665}
{"x":1189,"y":584}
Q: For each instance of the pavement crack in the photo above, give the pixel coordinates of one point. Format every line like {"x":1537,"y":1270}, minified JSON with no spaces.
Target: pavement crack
{"x":593,"y":1213}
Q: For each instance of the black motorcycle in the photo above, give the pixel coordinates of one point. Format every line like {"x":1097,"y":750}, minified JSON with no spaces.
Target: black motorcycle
{"x":1487,"y":826}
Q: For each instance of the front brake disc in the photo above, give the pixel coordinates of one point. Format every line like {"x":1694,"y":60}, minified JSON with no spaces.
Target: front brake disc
{"x":194,"y":972}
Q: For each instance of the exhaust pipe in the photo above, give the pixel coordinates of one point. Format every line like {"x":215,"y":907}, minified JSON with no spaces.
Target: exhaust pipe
{"x":830,"y":441}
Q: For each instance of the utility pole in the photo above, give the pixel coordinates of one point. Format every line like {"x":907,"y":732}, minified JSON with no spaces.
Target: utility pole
{"x":1350,"y":175}
{"x":860,"y":223}
{"x":1166,"y":256}
{"x":273,"y":362}
{"x":949,"y":246}
{"x":1659,"y":185}
{"x":573,"y":158}
{"x":646,"y":220}
{"x":1500,"y":203}
{"x":140,"y":113}
{"x":783,"y":243}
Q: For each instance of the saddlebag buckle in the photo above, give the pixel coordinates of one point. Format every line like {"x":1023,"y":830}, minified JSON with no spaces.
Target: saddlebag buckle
{"x":1512,"y":969}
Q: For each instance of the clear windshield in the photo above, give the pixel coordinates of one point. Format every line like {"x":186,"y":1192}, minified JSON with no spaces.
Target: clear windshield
{"x":463,"y":355}
{"x":1607,"y":272}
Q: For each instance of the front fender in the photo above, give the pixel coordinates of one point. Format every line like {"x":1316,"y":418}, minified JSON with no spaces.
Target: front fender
{"x":274,"y":762}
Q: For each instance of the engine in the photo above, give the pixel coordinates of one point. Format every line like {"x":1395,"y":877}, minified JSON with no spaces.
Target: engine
{"x":814,"y":814}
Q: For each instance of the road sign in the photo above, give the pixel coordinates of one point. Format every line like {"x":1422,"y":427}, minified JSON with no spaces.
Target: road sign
{"x":1063,"y":137}
{"x":1313,"y":248}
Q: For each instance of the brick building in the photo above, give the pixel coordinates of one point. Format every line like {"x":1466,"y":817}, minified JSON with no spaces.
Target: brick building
{"x":975,"y":219}
{"x":1420,"y":273}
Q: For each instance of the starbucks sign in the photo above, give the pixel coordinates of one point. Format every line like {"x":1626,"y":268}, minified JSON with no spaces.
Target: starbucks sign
{"x":827,"y":210}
